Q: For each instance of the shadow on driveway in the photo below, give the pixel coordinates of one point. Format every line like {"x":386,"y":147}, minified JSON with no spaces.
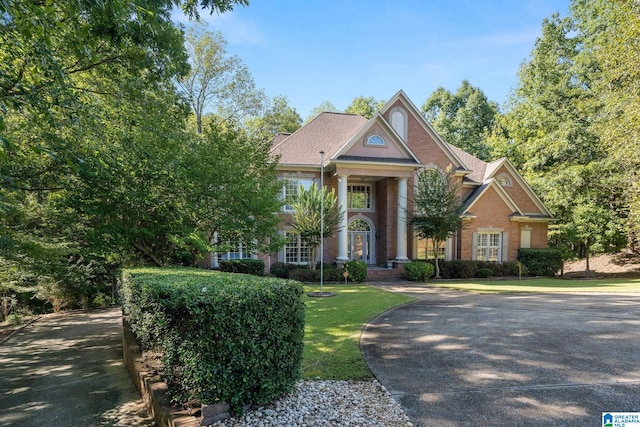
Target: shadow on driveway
{"x":461,"y":359}
{"x":67,"y":370}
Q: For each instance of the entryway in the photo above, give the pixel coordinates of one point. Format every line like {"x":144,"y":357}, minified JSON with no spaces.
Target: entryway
{"x":361,"y":241}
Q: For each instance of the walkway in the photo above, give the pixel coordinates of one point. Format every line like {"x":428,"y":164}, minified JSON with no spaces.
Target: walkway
{"x":67,"y":370}
{"x":461,"y":359}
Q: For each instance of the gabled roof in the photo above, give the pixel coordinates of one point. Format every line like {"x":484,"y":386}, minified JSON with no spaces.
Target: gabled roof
{"x":415,"y":112}
{"x":328,"y":132}
{"x":378,"y":119}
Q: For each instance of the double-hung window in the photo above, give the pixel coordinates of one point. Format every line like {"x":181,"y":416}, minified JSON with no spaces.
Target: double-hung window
{"x":291,"y":187}
{"x":489,"y":246}
{"x":295,"y":250}
{"x":359,"y":197}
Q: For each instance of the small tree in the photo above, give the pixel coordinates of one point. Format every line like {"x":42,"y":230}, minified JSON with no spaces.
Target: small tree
{"x":437,"y":208}
{"x":306,"y":217}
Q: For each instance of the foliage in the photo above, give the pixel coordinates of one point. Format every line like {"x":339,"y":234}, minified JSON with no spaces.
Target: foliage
{"x":217,"y":79}
{"x":333,"y":328}
{"x":307,"y":218}
{"x":437,"y":208}
{"x":278,"y":117}
{"x":365,"y":107}
{"x":419,"y":271}
{"x":225,"y":337}
{"x":484,"y":272}
{"x":541,"y":262}
{"x":92,"y":144}
{"x":244,"y":266}
{"x":330,"y":274}
{"x":357,"y":270}
{"x":570,"y":124}
{"x":463,"y":119}
{"x":324,"y":107}
{"x":465,"y":269}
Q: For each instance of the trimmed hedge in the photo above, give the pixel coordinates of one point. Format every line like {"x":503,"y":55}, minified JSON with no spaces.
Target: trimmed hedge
{"x":245,"y":266}
{"x":357,"y":270}
{"x":419,"y":271}
{"x":225,"y":337}
{"x":541,"y":262}
{"x":465,"y":269}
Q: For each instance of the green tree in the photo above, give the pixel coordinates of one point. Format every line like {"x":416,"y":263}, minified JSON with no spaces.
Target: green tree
{"x":365,"y":107}
{"x":217,"y":79}
{"x":437,"y":208}
{"x":463,"y":119}
{"x":233,"y":189}
{"x":279,"y":117}
{"x":548,"y":130}
{"x":324,"y":107}
{"x":306,"y":218}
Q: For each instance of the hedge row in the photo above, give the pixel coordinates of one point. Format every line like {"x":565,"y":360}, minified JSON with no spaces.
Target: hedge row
{"x":246,"y":266}
{"x":225,"y":337}
{"x":464,"y":269}
{"x":357,"y":272}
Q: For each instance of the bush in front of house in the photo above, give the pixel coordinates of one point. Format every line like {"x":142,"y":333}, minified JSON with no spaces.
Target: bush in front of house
{"x":484,"y":273}
{"x":224,"y":337}
{"x":541,"y":262}
{"x":245,"y":266}
{"x":357,"y":270}
{"x":417,"y":271}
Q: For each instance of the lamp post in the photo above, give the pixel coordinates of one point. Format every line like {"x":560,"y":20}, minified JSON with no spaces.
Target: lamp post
{"x":321,"y":221}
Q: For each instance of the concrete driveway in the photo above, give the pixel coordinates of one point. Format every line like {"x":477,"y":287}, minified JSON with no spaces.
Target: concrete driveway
{"x":67,"y":370}
{"x":460,"y":359}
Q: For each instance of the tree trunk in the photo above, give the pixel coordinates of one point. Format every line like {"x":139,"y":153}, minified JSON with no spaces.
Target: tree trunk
{"x":435,"y":255}
{"x":139,"y":246}
{"x":313,"y":257}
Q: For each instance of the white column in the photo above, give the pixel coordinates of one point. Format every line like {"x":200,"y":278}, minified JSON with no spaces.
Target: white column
{"x":402,"y":220}
{"x":343,"y":254}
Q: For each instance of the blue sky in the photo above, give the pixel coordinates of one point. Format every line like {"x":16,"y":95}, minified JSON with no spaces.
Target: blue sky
{"x":314,"y":51}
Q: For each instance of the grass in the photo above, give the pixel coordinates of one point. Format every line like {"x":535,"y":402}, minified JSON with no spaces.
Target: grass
{"x":543,"y":285}
{"x":333,"y":328}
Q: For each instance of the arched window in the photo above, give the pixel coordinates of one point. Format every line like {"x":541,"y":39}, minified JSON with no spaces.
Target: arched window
{"x":399,"y":122}
{"x":504,"y":180}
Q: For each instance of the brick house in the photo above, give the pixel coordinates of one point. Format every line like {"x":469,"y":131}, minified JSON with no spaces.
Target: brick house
{"x":372,"y":165}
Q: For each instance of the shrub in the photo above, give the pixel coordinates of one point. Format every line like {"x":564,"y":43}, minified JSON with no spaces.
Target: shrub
{"x":225,"y":337}
{"x":279,"y":269}
{"x":457,"y":269}
{"x":244,"y":266}
{"x":541,"y":262}
{"x":483,"y":273}
{"x":357,"y":270}
{"x":331,"y":274}
{"x":419,"y":271}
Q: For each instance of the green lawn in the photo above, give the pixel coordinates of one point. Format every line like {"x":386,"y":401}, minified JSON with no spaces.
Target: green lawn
{"x":333,"y":328}
{"x":542,"y":285}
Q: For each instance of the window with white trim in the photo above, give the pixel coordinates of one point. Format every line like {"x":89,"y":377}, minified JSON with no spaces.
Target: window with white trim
{"x":359,"y":197}
{"x":489,"y":246}
{"x":425,"y":249}
{"x":291,"y":187}
{"x":240,"y":251}
{"x":295,"y":250}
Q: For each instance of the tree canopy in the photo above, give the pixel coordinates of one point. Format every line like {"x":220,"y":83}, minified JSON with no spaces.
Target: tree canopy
{"x":463,"y":119}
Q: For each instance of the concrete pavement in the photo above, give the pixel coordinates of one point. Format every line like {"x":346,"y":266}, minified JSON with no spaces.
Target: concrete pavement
{"x":461,"y":359}
{"x":67,"y":370}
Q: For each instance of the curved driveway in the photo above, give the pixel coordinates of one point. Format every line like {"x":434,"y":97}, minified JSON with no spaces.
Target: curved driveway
{"x":460,"y":359}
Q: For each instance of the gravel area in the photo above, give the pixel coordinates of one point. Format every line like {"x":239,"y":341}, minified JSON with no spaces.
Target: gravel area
{"x":327,"y":403}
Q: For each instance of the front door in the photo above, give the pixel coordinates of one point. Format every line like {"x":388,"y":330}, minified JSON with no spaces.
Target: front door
{"x":360,"y":241}
{"x":359,"y":246}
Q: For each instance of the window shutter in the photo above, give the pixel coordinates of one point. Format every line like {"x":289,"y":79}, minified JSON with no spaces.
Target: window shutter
{"x":474,"y":246}
{"x":505,"y":247}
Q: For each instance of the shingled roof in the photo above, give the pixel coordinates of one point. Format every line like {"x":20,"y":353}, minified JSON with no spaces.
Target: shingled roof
{"x":327,"y":132}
